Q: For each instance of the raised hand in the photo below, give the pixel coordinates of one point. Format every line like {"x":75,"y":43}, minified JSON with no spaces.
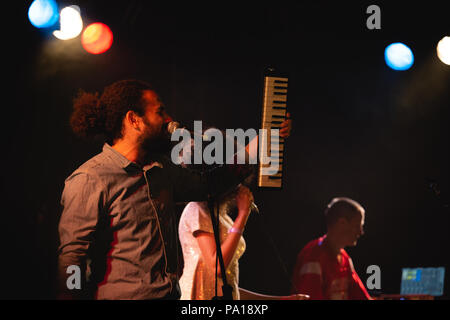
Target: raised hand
{"x":244,"y":199}
{"x":286,"y":126}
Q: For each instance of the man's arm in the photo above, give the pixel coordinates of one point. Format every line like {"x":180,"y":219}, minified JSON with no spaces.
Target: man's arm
{"x":309,"y":281}
{"x":307,"y":277}
{"x":81,"y":201}
{"x":357,"y":290}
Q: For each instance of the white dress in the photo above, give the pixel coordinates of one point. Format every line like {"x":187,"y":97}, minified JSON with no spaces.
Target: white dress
{"x":198,"y":280}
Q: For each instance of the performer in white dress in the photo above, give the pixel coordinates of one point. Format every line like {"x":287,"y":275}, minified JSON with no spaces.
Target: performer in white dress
{"x":199,"y":249}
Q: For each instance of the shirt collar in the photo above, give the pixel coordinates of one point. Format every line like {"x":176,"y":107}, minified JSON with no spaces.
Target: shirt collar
{"x":118,"y":158}
{"x":123,"y":162}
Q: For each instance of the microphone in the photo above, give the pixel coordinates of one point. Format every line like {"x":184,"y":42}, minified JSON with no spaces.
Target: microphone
{"x":254,"y":208}
{"x":172,"y":126}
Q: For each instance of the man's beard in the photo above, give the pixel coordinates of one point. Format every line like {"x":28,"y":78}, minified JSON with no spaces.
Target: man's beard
{"x":159,"y":144}
{"x":155,"y":143}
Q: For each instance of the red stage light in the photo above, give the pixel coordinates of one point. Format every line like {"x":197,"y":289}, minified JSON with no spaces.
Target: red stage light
{"x":97,"y":38}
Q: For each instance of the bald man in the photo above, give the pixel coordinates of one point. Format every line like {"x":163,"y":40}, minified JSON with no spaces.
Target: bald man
{"x":324,"y":270}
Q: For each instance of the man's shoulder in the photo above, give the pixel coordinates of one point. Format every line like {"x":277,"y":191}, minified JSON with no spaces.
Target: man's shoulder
{"x":313,"y":250}
{"x":93,"y":168}
{"x":313,"y":245}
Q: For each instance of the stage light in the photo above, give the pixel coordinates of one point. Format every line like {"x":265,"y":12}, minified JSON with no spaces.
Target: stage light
{"x":71,"y":23}
{"x":443,"y":50}
{"x":43,"y":13}
{"x":398,"y":56}
{"x":97,"y":38}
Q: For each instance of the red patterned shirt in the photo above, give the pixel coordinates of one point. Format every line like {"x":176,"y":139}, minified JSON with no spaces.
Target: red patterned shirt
{"x":320,"y":275}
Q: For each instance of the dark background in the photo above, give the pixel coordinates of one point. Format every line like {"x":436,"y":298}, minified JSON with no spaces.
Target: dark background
{"x":361,"y":130}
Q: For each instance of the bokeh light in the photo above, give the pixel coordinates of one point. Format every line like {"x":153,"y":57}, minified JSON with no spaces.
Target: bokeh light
{"x":97,"y":38}
{"x":443,"y":50}
{"x":43,"y":13}
{"x":71,"y":23}
{"x":398,"y":56}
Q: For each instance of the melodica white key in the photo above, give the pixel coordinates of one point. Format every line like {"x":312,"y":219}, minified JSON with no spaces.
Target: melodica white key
{"x":273,"y":114}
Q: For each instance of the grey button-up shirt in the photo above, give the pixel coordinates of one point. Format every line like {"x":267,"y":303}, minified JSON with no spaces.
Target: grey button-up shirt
{"x":118,"y":223}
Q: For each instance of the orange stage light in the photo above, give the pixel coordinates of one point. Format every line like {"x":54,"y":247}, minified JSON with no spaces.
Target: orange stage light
{"x":97,"y":38}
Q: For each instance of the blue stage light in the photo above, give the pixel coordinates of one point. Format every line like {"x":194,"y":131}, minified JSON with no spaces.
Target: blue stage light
{"x":398,"y":56}
{"x":43,"y":13}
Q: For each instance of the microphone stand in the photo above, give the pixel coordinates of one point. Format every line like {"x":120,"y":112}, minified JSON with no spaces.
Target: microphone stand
{"x":227,"y":290}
